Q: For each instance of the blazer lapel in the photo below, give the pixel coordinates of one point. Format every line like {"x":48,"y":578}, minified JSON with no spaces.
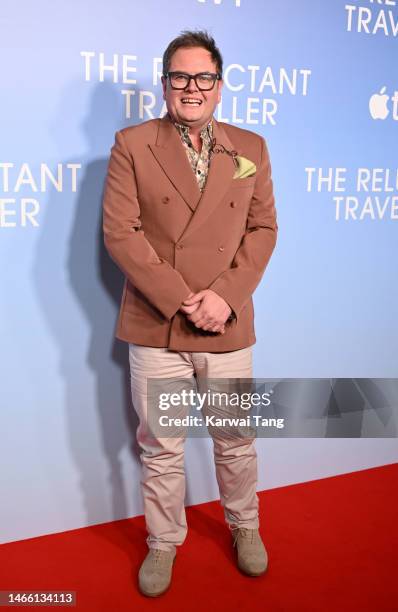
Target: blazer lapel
{"x":219,"y":179}
{"x":171,"y":155}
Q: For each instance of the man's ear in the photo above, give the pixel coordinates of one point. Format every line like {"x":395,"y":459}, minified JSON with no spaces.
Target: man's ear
{"x":220,"y":83}
{"x":164,"y":86}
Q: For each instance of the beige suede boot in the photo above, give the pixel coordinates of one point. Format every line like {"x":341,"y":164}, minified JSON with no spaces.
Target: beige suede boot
{"x":252,"y":555}
{"x":154,"y":577}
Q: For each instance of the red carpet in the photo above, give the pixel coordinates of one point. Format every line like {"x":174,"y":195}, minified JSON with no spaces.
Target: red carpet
{"x":332,"y":545}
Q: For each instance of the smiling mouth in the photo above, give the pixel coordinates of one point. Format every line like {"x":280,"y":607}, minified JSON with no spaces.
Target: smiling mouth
{"x":191,"y":101}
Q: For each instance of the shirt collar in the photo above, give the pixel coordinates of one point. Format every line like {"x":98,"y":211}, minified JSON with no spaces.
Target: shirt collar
{"x":207,"y":130}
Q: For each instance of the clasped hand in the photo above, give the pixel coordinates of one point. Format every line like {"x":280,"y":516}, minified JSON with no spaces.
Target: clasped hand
{"x":207,"y":310}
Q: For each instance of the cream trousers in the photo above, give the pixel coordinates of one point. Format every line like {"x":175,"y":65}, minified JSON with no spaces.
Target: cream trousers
{"x":163,"y":473}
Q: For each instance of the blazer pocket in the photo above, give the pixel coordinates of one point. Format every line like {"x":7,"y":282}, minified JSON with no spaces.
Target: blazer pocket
{"x":244,"y":182}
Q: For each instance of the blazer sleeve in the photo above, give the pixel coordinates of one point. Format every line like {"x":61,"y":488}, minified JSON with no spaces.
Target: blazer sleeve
{"x":237,"y":284}
{"x":125,"y":240}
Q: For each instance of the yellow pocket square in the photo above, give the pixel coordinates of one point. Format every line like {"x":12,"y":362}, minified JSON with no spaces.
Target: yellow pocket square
{"x":245,"y":168}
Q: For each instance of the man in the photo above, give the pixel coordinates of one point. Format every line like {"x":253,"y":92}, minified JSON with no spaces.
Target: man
{"x":193,"y":231}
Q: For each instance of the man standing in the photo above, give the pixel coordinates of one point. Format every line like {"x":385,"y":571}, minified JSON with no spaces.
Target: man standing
{"x":189,"y":217}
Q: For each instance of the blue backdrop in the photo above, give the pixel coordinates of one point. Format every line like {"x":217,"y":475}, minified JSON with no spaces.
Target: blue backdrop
{"x":318,"y":80}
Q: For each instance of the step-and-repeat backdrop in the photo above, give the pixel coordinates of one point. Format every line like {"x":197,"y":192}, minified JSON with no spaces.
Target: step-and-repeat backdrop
{"x":318,"y":80}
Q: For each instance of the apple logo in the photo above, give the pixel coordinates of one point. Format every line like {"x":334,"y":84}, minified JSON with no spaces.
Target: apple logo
{"x":378,"y":105}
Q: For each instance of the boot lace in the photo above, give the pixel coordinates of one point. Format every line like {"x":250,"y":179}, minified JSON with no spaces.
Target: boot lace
{"x":244,"y":532}
{"x":160,"y":556}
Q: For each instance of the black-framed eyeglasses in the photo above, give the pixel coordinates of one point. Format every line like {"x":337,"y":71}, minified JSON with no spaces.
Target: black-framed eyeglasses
{"x":204,"y":80}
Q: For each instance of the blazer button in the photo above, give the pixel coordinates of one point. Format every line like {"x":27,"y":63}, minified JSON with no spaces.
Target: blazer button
{"x":165,"y":199}
{"x":233,"y":204}
{"x":221,"y":248}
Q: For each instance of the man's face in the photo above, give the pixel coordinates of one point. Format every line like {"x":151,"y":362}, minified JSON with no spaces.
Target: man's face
{"x":191,"y":60}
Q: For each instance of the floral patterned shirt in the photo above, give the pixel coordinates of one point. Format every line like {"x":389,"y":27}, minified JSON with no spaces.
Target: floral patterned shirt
{"x":200,"y":162}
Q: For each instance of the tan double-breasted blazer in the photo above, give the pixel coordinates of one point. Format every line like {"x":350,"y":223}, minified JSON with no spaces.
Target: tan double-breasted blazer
{"x":169,"y":239}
